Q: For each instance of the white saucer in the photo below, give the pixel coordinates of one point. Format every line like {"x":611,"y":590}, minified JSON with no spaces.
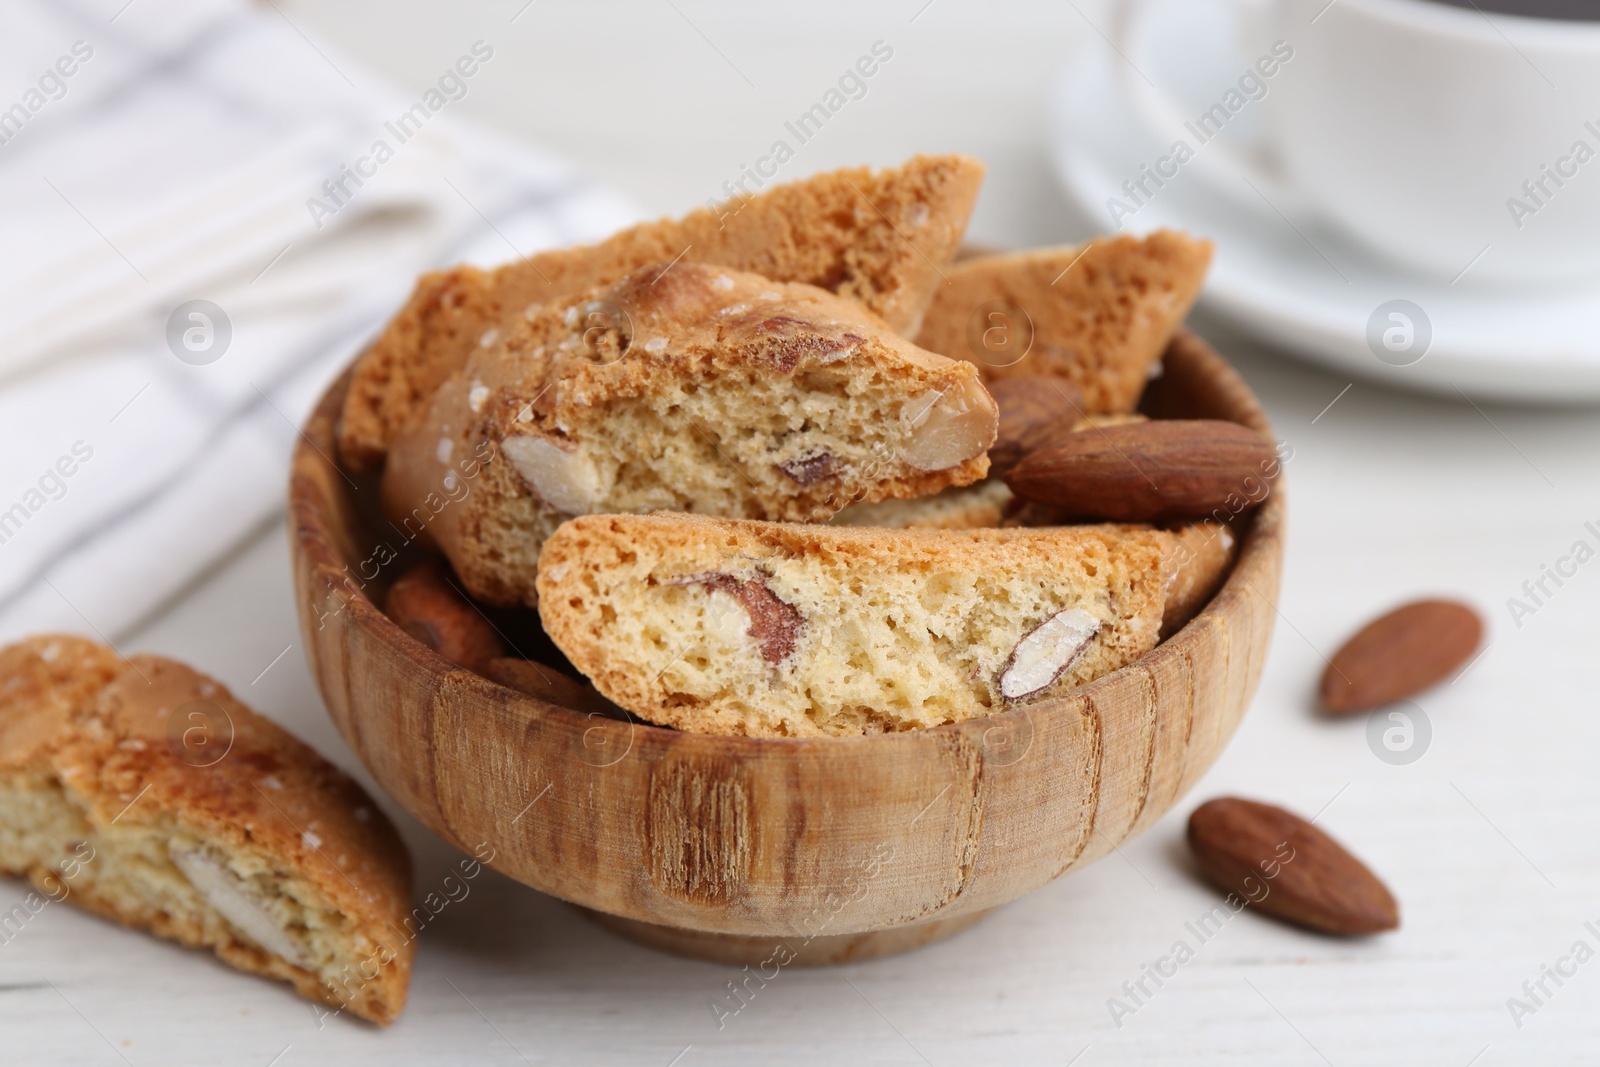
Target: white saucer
{"x":1298,"y":285}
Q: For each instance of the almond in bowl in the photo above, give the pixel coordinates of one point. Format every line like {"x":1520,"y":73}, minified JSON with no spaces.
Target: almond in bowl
{"x":721,"y":845}
{"x":846,"y":689}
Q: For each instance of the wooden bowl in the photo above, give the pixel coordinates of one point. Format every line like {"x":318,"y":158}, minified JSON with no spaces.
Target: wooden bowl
{"x":729,"y":847}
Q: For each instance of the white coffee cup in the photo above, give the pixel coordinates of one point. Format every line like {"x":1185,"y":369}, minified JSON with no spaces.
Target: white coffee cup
{"x":1457,"y":143}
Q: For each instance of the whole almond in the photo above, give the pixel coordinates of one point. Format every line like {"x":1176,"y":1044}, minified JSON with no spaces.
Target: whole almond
{"x":1033,"y":408}
{"x":1156,"y":471}
{"x":1415,"y":646}
{"x":1288,"y":868}
{"x":426,"y":606}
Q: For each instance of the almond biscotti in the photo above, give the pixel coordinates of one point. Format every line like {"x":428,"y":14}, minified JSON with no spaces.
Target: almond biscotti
{"x":978,"y":506}
{"x":879,"y":237}
{"x":686,"y":388}
{"x":982,"y":505}
{"x":1203,"y":555}
{"x":779,"y":630}
{"x":141,"y":790}
{"x":1098,"y":314}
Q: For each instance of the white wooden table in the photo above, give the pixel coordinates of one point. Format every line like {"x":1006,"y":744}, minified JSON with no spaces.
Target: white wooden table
{"x":1489,"y":840}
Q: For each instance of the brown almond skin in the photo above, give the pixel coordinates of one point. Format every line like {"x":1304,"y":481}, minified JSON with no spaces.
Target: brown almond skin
{"x":426,"y":606}
{"x":1033,"y":409}
{"x":1163,"y":470}
{"x":1398,"y":655}
{"x":1288,"y":868}
{"x":775,"y":625}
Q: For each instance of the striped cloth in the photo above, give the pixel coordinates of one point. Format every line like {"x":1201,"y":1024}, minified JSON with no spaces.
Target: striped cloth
{"x":207,"y":215}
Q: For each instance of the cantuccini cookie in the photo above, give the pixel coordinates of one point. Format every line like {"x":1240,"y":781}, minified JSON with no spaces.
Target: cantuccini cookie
{"x":1098,"y":314}
{"x":982,"y":505}
{"x":707,"y":390}
{"x":781,"y":630}
{"x":141,"y":790}
{"x":879,"y":237}
{"x":1203,"y":556}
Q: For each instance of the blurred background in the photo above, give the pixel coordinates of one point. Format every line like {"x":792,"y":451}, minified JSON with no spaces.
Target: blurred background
{"x":664,"y":102}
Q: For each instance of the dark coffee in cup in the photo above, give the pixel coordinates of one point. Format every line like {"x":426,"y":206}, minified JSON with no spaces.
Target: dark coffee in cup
{"x":1567,"y":10}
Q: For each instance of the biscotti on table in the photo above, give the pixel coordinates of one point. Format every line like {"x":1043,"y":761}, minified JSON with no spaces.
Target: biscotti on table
{"x":143,"y":791}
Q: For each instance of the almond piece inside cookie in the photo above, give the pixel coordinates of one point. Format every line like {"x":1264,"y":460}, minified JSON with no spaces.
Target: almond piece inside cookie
{"x":781,"y":630}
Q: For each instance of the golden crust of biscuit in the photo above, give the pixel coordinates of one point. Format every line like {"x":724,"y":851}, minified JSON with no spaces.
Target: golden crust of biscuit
{"x":879,"y":237}
{"x":1204,"y":555}
{"x":981,"y":505}
{"x":786,"y":630}
{"x":123,"y":781}
{"x":696,"y":388}
{"x":1099,"y":314}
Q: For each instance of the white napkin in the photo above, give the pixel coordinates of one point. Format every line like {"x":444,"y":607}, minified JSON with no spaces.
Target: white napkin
{"x":178,"y":161}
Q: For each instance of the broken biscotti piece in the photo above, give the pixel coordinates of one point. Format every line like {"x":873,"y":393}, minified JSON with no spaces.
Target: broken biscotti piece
{"x":878,"y":237}
{"x":982,"y":505}
{"x":141,"y":790}
{"x":777,"y":630}
{"x":705,"y":390}
{"x":1203,"y":556}
{"x":1098,"y":314}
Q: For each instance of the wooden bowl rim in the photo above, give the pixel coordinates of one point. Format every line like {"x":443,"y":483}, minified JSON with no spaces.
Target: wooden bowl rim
{"x":314,"y":536}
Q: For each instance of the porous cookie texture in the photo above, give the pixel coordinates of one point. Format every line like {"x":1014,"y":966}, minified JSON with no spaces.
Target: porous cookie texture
{"x":683,"y":387}
{"x":141,"y":790}
{"x":1099,"y":314}
{"x":879,"y":237}
{"x":982,"y":505}
{"x":968,"y":507}
{"x":781,"y":630}
{"x":1202,"y":558}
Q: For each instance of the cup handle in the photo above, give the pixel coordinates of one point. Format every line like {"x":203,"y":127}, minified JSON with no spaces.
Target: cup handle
{"x":1217,"y":162}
